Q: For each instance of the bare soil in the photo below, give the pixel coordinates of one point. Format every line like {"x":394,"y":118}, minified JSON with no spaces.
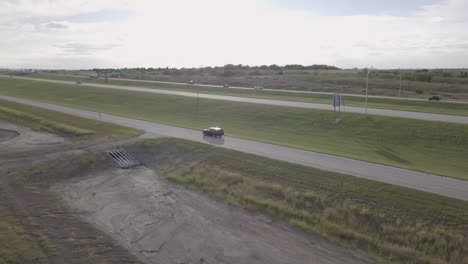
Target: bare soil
{"x":7,"y":134}
{"x":163,"y":222}
{"x":79,"y":207}
{"x":17,"y":141}
{"x":29,"y":162}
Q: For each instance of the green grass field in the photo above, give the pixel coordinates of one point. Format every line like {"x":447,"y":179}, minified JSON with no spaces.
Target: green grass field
{"x":434,"y":147}
{"x":398,"y":224}
{"x":396,"y":104}
{"x":55,"y":122}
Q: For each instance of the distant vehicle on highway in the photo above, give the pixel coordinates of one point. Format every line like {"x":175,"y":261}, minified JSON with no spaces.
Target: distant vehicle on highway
{"x":257,"y":87}
{"x":79,"y":82}
{"x":213,"y":132}
{"x":190,"y":82}
{"x":434,"y":98}
{"x":226,"y":85}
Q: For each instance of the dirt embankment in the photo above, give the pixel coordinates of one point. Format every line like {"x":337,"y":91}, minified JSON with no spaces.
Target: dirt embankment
{"x":36,"y":227}
{"x":163,"y":222}
{"x":7,"y":134}
{"x":112,"y":215}
{"x":17,"y":141}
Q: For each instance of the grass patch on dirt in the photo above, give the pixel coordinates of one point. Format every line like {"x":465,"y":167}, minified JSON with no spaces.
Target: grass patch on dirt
{"x":396,"y":104}
{"x":434,"y":147}
{"x":55,"y":122}
{"x":18,"y":245}
{"x":397,"y":224}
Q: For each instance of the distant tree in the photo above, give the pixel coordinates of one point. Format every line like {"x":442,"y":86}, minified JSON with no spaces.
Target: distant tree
{"x":274,"y":67}
{"x":255,"y":72}
{"x":423,"y":77}
{"x":417,"y":76}
{"x":447,"y":74}
{"x":228,"y":73}
{"x":321,"y":67}
{"x":229,"y":67}
{"x":294,"y":67}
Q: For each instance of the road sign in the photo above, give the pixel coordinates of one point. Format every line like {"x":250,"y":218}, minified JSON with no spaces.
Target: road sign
{"x":338,"y":101}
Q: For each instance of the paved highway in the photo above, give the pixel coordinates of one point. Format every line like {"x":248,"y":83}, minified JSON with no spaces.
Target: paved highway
{"x":351,"y":109}
{"x":272,"y":90}
{"x":406,"y":178}
{"x":292,"y":91}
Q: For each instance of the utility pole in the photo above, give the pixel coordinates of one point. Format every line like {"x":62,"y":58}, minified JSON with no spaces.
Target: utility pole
{"x":399,"y":91}
{"x":367,"y":85}
{"x":198,"y":99}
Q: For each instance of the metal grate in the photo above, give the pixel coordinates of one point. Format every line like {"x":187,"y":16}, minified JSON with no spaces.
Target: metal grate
{"x":122,"y":158}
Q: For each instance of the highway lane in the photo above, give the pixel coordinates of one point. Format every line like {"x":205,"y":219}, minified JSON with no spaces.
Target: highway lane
{"x":272,"y":90}
{"x":392,"y":175}
{"x":292,"y":91}
{"x":350,"y":109}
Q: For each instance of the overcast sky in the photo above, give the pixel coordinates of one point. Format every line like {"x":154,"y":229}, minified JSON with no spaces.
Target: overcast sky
{"x":186,"y":33}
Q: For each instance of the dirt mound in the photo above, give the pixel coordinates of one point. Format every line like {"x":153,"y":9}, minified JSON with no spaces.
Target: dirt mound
{"x":7,"y":134}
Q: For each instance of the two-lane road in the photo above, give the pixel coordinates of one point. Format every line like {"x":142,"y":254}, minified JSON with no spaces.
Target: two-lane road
{"x":397,"y":176}
{"x":351,"y":109}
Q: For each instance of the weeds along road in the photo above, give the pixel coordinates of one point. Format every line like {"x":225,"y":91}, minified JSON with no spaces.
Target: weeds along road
{"x":350,"y":109}
{"x":411,"y":179}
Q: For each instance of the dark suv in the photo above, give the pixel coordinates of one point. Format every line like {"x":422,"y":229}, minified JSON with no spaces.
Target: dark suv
{"x":434,"y":98}
{"x":213,"y":132}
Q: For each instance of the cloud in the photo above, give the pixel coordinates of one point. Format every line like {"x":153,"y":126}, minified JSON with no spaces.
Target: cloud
{"x":56,"y":25}
{"x":83,"y":48}
{"x":180,"y":33}
{"x":446,"y":10}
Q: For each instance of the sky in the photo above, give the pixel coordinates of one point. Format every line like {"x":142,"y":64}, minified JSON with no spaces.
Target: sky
{"x":83,"y":34}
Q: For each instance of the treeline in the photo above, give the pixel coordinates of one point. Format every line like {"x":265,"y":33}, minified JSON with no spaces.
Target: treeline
{"x":422,"y":75}
{"x":272,"y":67}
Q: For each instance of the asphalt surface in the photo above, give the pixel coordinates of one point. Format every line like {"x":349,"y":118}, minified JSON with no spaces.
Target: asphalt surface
{"x":411,"y":179}
{"x":350,"y":109}
{"x":275,"y":90}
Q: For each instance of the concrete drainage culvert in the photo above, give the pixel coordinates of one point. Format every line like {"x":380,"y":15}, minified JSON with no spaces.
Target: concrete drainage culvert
{"x":122,"y":158}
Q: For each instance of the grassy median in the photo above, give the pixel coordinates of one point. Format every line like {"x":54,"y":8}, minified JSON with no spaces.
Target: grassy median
{"x":398,"y":224}
{"x":434,"y":147}
{"x":396,"y":104}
